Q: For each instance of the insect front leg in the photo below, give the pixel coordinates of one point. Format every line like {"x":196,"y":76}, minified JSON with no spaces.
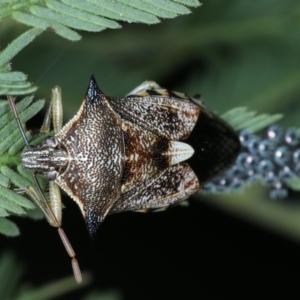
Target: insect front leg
{"x":52,"y":210}
{"x":51,"y":216}
{"x":36,"y":200}
{"x":55,"y":111}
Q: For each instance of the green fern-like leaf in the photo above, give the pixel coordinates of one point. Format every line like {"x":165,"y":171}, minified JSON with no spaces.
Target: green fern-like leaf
{"x":12,"y":174}
{"x":15,"y":83}
{"x":66,"y":16}
{"x":62,"y":16}
{"x":8,"y":228}
{"x":294,"y":184}
{"x":240,"y":118}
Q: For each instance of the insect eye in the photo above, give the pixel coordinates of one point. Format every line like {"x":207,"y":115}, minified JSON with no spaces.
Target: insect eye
{"x":286,"y":173}
{"x":270,"y":178}
{"x":296,"y":156}
{"x":278,"y":193}
{"x":245,"y":137}
{"x":253,"y":146}
{"x":247,"y":161}
{"x":297,"y":169}
{"x":274,"y":133}
{"x":236,"y":183}
{"x":265,"y":167}
{"x":236,"y":172}
{"x":52,"y":175}
{"x":51,"y":142}
{"x":291,"y":137}
{"x":264,"y":148}
{"x":281,"y":155}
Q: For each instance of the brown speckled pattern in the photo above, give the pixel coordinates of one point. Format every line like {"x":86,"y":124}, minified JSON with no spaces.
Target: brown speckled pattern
{"x":116,"y":154}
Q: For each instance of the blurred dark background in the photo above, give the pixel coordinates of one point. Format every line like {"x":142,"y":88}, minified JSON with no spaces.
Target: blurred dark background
{"x":235,"y":53}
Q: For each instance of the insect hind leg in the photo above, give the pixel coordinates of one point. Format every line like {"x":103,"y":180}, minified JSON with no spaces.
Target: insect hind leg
{"x":40,"y":200}
{"x":143,"y":87}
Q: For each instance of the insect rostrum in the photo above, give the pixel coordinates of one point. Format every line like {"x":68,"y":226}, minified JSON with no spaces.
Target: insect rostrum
{"x":127,"y":153}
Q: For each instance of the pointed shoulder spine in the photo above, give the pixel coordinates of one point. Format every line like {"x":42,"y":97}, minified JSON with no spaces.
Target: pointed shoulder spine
{"x":93,"y":92}
{"x":93,"y":222}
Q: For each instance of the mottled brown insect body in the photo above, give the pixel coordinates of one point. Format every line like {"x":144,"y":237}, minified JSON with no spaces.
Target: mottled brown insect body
{"x":120,"y":154}
{"x":94,"y":142}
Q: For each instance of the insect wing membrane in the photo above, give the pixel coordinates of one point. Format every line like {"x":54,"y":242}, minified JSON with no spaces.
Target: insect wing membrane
{"x":172,"y":115}
{"x":171,"y":118}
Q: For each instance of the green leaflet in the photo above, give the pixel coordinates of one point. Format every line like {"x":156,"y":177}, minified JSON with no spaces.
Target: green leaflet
{"x":8,"y":228}
{"x":12,"y":174}
{"x":66,"y":15}
{"x":239,"y":118}
{"x":15,"y":83}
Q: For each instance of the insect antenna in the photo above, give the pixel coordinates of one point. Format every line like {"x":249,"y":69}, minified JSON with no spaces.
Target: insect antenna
{"x":43,"y":205}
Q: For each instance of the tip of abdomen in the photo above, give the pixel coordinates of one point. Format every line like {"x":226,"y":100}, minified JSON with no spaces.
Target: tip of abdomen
{"x":216,"y":146}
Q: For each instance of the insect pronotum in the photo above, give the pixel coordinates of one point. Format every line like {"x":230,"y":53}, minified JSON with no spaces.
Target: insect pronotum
{"x":127,"y":153}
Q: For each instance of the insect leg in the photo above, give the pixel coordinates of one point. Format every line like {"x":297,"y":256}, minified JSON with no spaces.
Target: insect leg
{"x":55,"y":200}
{"x":54,"y":191}
{"x":55,"y":111}
{"x":47,"y":120}
{"x":41,"y":201}
{"x":57,"y":120}
{"x":35,"y":198}
{"x":143,"y":87}
{"x":52,"y":220}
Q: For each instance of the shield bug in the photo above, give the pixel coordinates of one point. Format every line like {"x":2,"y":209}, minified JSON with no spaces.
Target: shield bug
{"x":130,"y":153}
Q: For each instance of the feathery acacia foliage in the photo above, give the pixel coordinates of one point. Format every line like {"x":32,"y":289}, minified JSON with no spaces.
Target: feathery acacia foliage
{"x":240,"y":54}
{"x":258,"y":16}
{"x":12,"y":174}
{"x":62,"y":17}
{"x":66,"y":16}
